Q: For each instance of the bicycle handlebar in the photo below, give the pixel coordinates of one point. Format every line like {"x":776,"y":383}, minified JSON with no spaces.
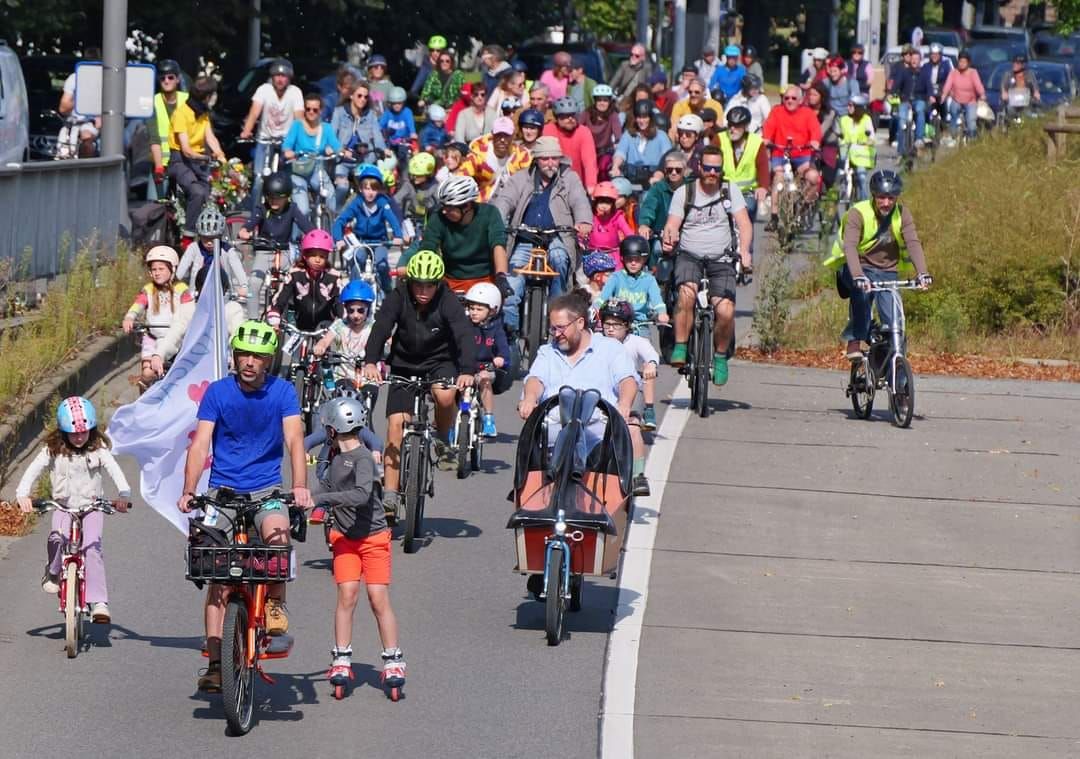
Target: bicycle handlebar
{"x":294,"y":331}
{"x":541,"y":232}
{"x":903,"y":284}
{"x":417,"y":382}
{"x":104,"y":505}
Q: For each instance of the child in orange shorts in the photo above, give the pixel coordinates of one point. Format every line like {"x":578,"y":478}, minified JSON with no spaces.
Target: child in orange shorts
{"x":360,"y":540}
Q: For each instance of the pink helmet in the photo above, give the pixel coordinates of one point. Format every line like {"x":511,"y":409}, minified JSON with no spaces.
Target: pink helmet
{"x":605,"y":190}
{"x":317,"y":239}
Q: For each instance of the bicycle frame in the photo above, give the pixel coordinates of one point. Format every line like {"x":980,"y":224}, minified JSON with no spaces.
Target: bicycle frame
{"x":898,"y":325}
{"x":564,"y":541}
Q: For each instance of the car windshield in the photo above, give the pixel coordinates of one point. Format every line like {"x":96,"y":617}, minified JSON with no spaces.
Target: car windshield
{"x":1051,"y":79}
{"x":989,"y":55}
{"x":942,"y":37}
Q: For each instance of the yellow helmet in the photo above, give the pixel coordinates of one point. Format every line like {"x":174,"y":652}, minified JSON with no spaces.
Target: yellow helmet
{"x":425,"y":266}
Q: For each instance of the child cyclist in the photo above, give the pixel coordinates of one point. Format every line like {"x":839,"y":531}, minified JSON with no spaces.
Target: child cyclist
{"x":160,"y":300}
{"x":598,"y":268}
{"x":417,"y":196}
{"x":310,"y":288}
{"x":75,"y":453}
{"x":432,"y":339}
{"x":609,"y":225}
{"x":482,"y":304}
{"x":616,"y":316}
{"x":359,"y":539}
{"x":210,"y":227}
{"x":275,"y":220}
{"x":636,"y":285}
{"x":370,"y":214}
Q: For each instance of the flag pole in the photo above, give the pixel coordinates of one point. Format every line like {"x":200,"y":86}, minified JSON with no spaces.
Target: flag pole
{"x":218,"y":295}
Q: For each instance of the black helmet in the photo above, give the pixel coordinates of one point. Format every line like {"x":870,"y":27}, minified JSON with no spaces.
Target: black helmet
{"x":634,"y":246}
{"x":531,"y":117}
{"x":751,"y":82}
{"x":739,"y":116}
{"x":617,"y":309}
{"x":1019,"y":58}
{"x":281,"y":66}
{"x":661,"y":121}
{"x":278,"y":184}
{"x":642,"y":108}
{"x":749,"y":51}
{"x":886,"y":182}
{"x":168,"y":66}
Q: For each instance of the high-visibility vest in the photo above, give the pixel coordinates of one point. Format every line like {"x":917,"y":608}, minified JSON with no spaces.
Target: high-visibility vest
{"x":859,"y":140}
{"x":161,"y":114}
{"x":743,"y":173}
{"x":865,"y":208}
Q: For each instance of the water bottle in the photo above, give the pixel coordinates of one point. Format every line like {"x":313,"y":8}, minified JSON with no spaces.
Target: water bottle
{"x":210,"y":515}
{"x":702,"y":299}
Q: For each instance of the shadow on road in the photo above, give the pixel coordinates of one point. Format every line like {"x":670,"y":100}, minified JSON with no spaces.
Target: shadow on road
{"x":102,"y":636}
{"x":597,"y":613}
{"x":277,"y":702}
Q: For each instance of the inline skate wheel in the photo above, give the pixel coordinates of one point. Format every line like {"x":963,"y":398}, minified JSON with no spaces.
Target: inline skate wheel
{"x":395,"y":693}
{"x":339,"y":692}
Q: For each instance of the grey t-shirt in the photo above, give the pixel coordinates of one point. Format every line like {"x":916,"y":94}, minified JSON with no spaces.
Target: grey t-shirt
{"x":349,"y":488}
{"x":707,"y":232}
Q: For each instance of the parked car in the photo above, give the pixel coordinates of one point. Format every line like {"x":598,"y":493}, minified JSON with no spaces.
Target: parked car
{"x":1057,"y":83}
{"x":14,"y":109}
{"x":986,"y":56}
{"x":45,"y":76}
{"x":537,"y":57}
{"x":1060,"y":49}
{"x":1016,"y":34}
{"x":944,"y":37}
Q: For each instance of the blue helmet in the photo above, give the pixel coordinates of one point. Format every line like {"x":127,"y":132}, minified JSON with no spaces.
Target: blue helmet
{"x":368,"y":171}
{"x":531,"y":117}
{"x":76,"y":414}
{"x":597,"y":262}
{"x":376,"y":60}
{"x":732,"y":51}
{"x":358,"y":289}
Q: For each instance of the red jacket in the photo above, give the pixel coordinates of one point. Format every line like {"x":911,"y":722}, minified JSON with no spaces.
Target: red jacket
{"x":801,"y":125}
{"x":580,"y":148}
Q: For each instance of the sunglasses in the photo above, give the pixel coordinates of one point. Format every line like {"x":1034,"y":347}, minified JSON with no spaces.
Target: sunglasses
{"x":710,"y":168}
{"x":672,"y":170}
{"x":696,"y":92}
{"x":480,"y":94}
{"x":312,"y":110}
{"x":790,"y":99}
{"x":168,"y":77}
{"x":360,"y":96}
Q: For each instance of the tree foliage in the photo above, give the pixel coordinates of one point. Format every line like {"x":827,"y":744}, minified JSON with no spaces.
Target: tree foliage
{"x":607,"y":19}
{"x":1068,"y":15}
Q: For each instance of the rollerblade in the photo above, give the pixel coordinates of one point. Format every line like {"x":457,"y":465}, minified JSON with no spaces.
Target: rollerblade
{"x":340,"y":670}
{"x":393,"y":674}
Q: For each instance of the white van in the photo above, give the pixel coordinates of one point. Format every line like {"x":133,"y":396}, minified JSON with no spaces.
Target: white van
{"x":14,"y":109}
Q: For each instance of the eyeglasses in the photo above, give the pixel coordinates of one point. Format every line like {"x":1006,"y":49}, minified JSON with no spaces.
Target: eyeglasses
{"x":312,"y":110}
{"x":612,"y":326}
{"x":168,"y":77}
{"x":673,"y":170}
{"x":790,"y":99}
{"x":707,"y":168}
{"x":696,"y":92}
{"x":480,"y":94}
{"x":559,"y":329}
{"x":357,"y":309}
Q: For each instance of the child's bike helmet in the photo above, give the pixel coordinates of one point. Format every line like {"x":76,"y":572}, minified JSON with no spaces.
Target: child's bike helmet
{"x":76,"y":414}
{"x":359,"y":290}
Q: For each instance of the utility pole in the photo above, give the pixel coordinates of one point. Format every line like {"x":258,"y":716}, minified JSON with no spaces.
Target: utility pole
{"x":658,"y":31}
{"x":678,"y":55}
{"x":892,"y":31}
{"x":834,"y":28}
{"x":254,"y":32}
{"x":113,"y":70}
{"x":712,"y":39}
{"x":873,"y":50}
{"x":643,"y":22}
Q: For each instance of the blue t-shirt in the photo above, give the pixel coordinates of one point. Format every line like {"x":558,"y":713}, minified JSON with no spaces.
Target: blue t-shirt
{"x":299,"y":141}
{"x":248,"y":441}
{"x":538,"y":212}
{"x":397,"y":126}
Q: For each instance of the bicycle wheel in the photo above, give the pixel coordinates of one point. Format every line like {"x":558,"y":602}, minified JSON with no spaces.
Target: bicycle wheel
{"x":476,"y":455}
{"x":577,"y":589}
{"x":72,"y":611}
{"x":463,"y":440}
{"x":902,"y":393}
{"x":861,"y":390}
{"x":702,"y":367}
{"x":237,"y":678}
{"x":311,"y":391}
{"x":535,"y":318}
{"x":555,"y":604}
{"x":413,"y":472}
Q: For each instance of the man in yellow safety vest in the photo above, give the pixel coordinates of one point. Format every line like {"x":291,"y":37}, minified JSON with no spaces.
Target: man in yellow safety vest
{"x":746,"y":160}
{"x":165,"y":103}
{"x":857,"y":143}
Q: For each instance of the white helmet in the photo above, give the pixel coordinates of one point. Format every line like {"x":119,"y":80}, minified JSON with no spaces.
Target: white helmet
{"x":163,"y":253}
{"x":458,"y":190}
{"x":486,"y":294}
{"x":436,"y":112}
{"x":343,"y":414}
{"x":691,"y":122}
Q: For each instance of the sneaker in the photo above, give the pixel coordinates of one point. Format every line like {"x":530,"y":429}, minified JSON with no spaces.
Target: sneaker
{"x":340,"y":666}
{"x":719,"y":370}
{"x":648,"y":418}
{"x":678,"y":355}
{"x":489,"y":426}
{"x":210,"y":679}
{"x":99,"y":613}
{"x":641,"y":485}
{"x":446,"y":457}
{"x":919,"y":144}
{"x":50,"y":583}
{"x":390,"y":504}
{"x":277,"y":617}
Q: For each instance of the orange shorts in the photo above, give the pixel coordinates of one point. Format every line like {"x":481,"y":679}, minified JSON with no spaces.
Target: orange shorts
{"x":462,"y":285}
{"x":367,"y":558}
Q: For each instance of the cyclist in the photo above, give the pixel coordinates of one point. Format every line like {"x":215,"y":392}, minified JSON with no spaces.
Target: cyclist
{"x":494,"y":158}
{"x":703,"y":219}
{"x":906,"y":86}
{"x":380,"y":84}
{"x":654,"y":209}
{"x":370,"y":214}
{"x":966,"y":89}
{"x":436,"y":51}
{"x":635,"y":285}
{"x":817,"y":100}
{"x":470,"y":236}
{"x":165,"y":103}
{"x":728,"y":77}
{"x":453,"y":157}
{"x":398,"y":124}
{"x":602,"y":119}
{"x":936,"y":72}
{"x":443,"y":84}
{"x":633,"y":71}
{"x":746,"y":159}
{"x":434,"y":137}
{"x":275,"y":105}
{"x":248,"y":418}
{"x":839,"y":87}
{"x":191,"y":137}
{"x":1020,"y":78}
{"x":857,"y":142}
{"x":160,"y":300}
{"x":877,"y":242}
{"x":417,"y":197}
{"x":433,"y":339}
{"x":210,"y":228}
{"x":357,"y":129}
{"x":641,"y":147}
{"x":530,"y":125}
{"x":310,"y":287}
{"x":313,"y":136}
{"x":348,"y":334}
{"x":482,"y":304}
{"x":858,"y":68}
{"x":470,"y":121}
{"x":609,"y":225}
{"x":697,"y":100}
{"x":549,"y":194}
{"x":540,"y":100}
{"x":575,"y":140}
{"x":688,"y":138}
{"x":707,"y":64}
{"x":793,"y":121}
{"x":751,"y":62}
{"x":557,"y":78}
{"x":663,"y":97}
{"x":817,"y":71}
{"x":581,"y":87}
{"x":751,"y":98}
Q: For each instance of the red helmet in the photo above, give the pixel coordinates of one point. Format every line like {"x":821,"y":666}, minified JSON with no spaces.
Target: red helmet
{"x":317,"y":239}
{"x":605,"y":190}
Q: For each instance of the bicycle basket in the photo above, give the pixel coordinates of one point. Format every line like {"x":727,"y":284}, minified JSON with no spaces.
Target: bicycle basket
{"x":240,"y":563}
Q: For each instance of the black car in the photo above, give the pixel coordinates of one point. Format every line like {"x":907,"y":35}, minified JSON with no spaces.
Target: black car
{"x":45,"y":76}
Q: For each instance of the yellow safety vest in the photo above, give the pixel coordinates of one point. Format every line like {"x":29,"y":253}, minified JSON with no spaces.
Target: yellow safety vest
{"x":161,"y":114}
{"x":859,"y":141}
{"x":744,"y":173}
{"x":865,"y":208}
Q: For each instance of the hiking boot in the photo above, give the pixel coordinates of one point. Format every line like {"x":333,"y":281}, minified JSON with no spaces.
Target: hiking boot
{"x":277,"y":617}
{"x":489,"y":426}
{"x":99,"y":613}
{"x":210,"y":679}
{"x":678,"y":355}
{"x":50,"y":583}
{"x":641,"y":485}
{"x":719,"y":370}
{"x":391,"y":501}
{"x":648,"y":418}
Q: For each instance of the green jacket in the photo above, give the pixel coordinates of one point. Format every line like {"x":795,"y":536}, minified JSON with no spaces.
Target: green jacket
{"x":435,"y":92}
{"x":654,"y":207}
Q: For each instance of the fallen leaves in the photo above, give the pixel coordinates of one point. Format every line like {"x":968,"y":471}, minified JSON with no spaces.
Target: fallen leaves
{"x":13,"y":522}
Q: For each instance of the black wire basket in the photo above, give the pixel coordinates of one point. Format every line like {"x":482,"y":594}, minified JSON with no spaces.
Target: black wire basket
{"x":239,"y":564}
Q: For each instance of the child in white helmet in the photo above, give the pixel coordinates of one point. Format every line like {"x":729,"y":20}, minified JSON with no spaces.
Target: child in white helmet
{"x":483,"y":303}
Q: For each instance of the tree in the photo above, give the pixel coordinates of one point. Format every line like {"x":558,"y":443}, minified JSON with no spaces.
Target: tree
{"x":607,"y":19}
{"x":1068,"y":15}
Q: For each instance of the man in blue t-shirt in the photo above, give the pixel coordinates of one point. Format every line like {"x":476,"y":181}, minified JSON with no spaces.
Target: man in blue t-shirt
{"x":248,"y":417}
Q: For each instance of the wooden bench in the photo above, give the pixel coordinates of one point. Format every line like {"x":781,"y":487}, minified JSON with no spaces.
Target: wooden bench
{"x":1059,"y":129}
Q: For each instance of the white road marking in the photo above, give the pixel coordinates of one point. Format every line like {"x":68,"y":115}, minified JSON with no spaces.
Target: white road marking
{"x":620,"y":667}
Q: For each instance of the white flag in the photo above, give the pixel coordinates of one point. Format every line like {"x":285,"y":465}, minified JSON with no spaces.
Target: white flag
{"x":157,"y":429}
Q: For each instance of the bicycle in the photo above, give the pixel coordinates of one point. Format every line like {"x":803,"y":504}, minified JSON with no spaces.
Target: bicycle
{"x":886,"y":364}
{"x":231,"y":557}
{"x":364,"y":271}
{"x":417,"y":458}
{"x":282,"y":254}
{"x":313,"y":382}
{"x":907,"y":158}
{"x":323,"y":167}
{"x":538,"y":276}
{"x":72,"y":592}
{"x":469,"y":429}
{"x":273,"y":156}
{"x":794,"y":213}
{"x":367,"y":392}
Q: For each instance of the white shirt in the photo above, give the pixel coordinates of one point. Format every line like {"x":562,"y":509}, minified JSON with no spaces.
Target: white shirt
{"x":641,"y":352}
{"x":277,"y":113}
{"x":759,"y":109}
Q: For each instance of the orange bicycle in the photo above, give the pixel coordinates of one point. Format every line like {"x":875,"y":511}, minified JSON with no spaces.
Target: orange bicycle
{"x":538,"y":276}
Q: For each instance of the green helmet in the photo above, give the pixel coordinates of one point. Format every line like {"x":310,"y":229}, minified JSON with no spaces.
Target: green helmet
{"x":255,"y":337}
{"x":425,"y":266}
{"x":437,"y":42}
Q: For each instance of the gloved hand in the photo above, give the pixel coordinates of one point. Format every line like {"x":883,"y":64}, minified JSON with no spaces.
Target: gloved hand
{"x":924,"y":281}
{"x":159,"y":174}
{"x":863,"y":284}
{"x":503,"y":284}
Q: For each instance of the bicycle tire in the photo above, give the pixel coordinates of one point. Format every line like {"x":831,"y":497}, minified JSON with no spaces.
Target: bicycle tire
{"x":476,"y":455}
{"x":237,"y":678}
{"x":413,"y":502}
{"x":308,"y":406}
{"x":72,"y":611}
{"x":861,"y":390}
{"x":577,"y":592}
{"x":902,"y":394}
{"x":463,"y":440}
{"x":554,"y":603}
{"x":536,"y":317}
{"x":703,"y":365}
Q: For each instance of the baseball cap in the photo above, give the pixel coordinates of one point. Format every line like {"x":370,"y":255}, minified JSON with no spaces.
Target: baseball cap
{"x":502,"y":125}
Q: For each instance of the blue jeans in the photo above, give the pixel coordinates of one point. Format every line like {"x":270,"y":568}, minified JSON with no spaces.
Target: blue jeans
{"x":970,"y":116}
{"x":356,"y":260}
{"x":342,"y":172}
{"x":859,"y":304}
{"x":862,"y":178}
{"x":301,"y":184}
{"x":920,"y":123}
{"x":558,"y":259}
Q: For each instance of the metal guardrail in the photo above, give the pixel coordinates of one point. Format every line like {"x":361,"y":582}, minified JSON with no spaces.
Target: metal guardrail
{"x":48,"y":209}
